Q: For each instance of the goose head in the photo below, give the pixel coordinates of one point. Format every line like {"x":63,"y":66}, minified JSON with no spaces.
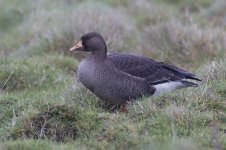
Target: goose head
{"x":90,"y":42}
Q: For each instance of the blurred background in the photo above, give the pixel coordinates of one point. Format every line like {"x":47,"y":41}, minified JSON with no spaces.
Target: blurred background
{"x":177,"y":31}
{"x":41,"y":99}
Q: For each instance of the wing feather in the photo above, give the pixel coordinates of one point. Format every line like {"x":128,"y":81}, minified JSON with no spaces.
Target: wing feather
{"x":153,"y":72}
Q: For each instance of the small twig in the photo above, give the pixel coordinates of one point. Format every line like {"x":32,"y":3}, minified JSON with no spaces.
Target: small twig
{"x":6,"y":81}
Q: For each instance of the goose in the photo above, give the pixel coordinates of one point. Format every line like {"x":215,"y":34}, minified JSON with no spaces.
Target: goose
{"x":120,"y":78}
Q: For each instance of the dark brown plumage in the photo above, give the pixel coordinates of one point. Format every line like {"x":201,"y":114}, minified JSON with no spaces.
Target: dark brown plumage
{"x":118,"y":78}
{"x":152,"y":71}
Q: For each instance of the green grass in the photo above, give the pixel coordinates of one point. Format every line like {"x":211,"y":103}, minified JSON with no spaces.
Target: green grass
{"x":29,"y":73}
{"x":42,"y":106}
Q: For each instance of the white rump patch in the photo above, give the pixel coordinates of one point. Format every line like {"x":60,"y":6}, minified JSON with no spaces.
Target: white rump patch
{"x":168,"y":87}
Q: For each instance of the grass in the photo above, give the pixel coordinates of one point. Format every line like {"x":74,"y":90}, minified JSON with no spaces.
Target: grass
{"x":42,"y":106}
{"x":21,"y":74}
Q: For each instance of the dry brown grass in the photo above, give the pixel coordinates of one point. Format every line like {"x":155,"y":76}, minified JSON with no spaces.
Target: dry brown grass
{"x":184,"y":43}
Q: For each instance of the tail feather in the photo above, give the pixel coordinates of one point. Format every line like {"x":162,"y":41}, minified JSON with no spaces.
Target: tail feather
{"x":193,"y":78}
{"x":172,"y":85}
{"x":180,"y":72}
{"x":189,"y":84}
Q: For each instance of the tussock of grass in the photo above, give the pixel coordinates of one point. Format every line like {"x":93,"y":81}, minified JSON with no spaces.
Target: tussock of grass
{"x":147,"y":13}
{"x":7,"y":12}
{"x":59,"y":123}
{"x":21,"y":74}
{"x":60,"y":27}
{"x":65,"y":63}
{"x":216,"y":13}
{"x":184,"y":43}
{"x":214,"y":70}
{"x":190,"y":5}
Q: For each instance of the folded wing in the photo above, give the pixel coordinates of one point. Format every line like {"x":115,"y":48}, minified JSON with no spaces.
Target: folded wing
{"x":153,"y":72}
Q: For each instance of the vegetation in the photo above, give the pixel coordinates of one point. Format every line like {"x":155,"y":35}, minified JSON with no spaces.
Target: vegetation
{"x":42,"y":106}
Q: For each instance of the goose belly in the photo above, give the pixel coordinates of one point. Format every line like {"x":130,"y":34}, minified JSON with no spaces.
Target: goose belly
{"x":86,"y":75}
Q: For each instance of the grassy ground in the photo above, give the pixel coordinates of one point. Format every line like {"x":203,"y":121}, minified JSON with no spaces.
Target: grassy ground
{"x":42,"y":106}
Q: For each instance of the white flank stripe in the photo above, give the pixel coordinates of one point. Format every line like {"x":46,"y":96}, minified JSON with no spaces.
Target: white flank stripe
{"x":168,"y":87}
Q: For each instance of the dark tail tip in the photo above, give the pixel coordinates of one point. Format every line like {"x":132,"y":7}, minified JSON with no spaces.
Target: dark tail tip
{"x":193,"y":78}
{"x":189,"y":84}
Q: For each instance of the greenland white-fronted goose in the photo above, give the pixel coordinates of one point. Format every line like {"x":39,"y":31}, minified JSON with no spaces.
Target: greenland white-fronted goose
{"x":119,"y":78}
